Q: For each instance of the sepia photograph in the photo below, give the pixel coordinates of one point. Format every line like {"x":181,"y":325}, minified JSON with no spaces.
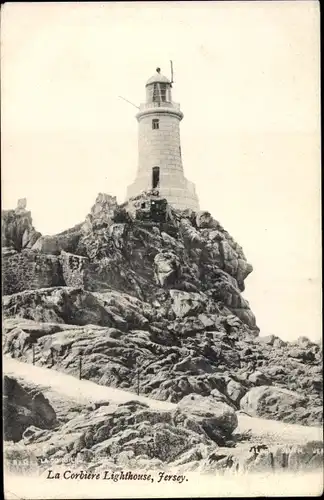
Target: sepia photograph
{"x":161,"y":249}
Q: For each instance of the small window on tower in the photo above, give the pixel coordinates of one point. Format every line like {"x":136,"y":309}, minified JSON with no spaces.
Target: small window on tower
{"x":155,"y":124}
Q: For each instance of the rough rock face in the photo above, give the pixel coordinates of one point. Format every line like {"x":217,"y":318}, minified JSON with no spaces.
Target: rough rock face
{"x":23,"y":408}
{"x":216,"y":418}
{"x":29,"y":270}
{"x":74,"y":269}
{"x":186,"y":252}
{"x":17,"y":228}
{"x":270,"y":402}
{"x":132,"y":435}
{"x":167,"y":268}
{"x":151,"y":301}
{"x":66,"y":241}
{"x":148,"y":300}
{"x":128,"y":343}
{"x":60,"y":305}
{"x":189,"y":252}
{"x":102,"y":213}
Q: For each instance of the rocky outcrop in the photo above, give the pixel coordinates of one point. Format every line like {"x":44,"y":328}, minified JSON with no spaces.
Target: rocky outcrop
{"x":17,"y":228}
{"x":31,"y":261}
{"x":183,"y":251}
{"x":60,"y":305}
{"x":178,"y":254}
{"x":216,"y":418}
{"x":66,"y":241}
{"x":265,"y":458}
{"x":102,"y":213}
{"x":104,"y":435}
{"x":23,"y":408}
{"x":127,"y":433}
{"x":167,"y":270}
{"x":129,"y":343}
{"x":150,"y":299}
{"x":187,"y":303}
{"x":270,"y":402}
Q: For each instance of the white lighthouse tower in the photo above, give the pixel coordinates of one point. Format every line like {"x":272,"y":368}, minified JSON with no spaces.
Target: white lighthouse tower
{"x":159,"y":150}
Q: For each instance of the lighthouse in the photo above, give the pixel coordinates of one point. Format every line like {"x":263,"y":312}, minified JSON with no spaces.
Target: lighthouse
{"x":159,"y":150}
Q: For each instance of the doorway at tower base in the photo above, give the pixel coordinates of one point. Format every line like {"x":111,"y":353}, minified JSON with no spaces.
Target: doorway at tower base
{"x":182,"y":197}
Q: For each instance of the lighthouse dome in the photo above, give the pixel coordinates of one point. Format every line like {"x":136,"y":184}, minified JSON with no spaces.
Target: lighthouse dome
{"x":157,"y":78}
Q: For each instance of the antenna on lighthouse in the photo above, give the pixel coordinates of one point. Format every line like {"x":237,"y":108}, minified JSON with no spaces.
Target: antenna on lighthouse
{"x":121,"y":97}
{"x":171,"y":71}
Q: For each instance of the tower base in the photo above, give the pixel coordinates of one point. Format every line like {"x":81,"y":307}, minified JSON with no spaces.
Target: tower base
{"x":182,"y":197}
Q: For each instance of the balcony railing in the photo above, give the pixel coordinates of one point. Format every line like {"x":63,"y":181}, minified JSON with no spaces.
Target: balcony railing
{"x":159,"y":104}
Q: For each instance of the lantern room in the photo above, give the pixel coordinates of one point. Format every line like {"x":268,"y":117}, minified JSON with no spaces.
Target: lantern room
{"x":158,"y":88}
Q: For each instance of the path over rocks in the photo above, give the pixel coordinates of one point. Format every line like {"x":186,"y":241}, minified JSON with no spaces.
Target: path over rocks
{"x":85,"y":392}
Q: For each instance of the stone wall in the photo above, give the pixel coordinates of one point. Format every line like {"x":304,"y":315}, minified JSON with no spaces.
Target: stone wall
{"x":183,"y":197}
{"x":159,"y":147}
{"x":29,"y":270}
{"x":74,"y":269}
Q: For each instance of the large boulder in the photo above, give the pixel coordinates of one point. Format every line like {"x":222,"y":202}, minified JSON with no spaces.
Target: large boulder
{"x":187,"y":303}
{"x":235,"y":391}
{"x":216,"y":418}
{"x":270,"y":401}
{"x":166,"y":268}
{"x":66,"y":241}
{"x":23,"y":409}
{"x":205,"y":220}
{"x":267,"y":339}
{"x":259,"y":378}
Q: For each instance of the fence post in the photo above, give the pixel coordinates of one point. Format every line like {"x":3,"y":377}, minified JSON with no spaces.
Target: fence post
{"x":80,"y":367}
{"x":138,"y":377}
{"x":52,"y":358}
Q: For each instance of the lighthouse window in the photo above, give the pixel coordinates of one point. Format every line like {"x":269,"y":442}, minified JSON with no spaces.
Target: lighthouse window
{"x":156,"y":92}
{"x":163,"y":91}
{"x":155,"y":177}
{"x":155,"y":123}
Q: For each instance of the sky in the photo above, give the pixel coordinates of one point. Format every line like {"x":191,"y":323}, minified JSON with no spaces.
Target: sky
{"x":247,"y":78}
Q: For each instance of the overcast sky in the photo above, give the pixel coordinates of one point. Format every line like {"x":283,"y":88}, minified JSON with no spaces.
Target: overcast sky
{"x":247,"y":78}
